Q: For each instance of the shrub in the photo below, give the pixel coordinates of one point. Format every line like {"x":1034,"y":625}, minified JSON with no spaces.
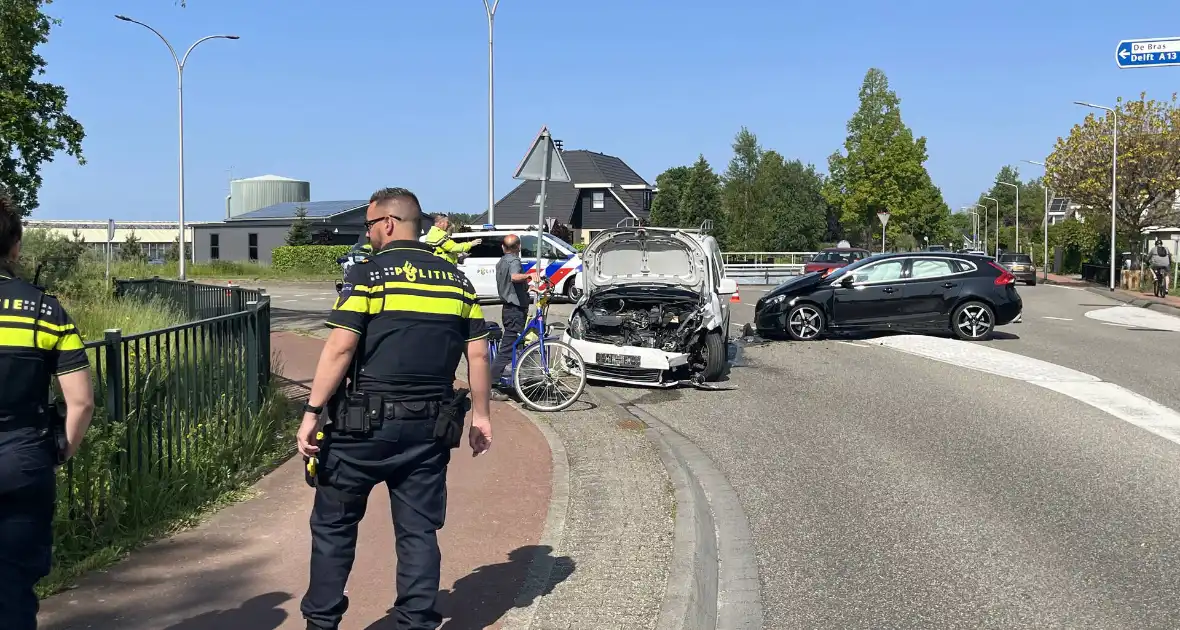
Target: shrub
{"x":315,"y":259}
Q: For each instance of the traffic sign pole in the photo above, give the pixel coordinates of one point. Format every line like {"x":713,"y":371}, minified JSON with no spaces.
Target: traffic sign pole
{"x":884,"y":218}
{"x":1148,"y":53}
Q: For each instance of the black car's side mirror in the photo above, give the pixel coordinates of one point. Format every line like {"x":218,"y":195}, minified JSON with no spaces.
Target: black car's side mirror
{"x":846,"y":282}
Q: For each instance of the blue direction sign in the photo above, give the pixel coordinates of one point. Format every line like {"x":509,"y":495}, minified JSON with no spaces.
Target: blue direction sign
{"x":1148,"y":53}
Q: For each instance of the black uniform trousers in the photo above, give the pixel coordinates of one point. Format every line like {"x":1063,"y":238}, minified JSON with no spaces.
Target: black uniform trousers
{"x":513,"y":318}
{"x":27,"y":495}
{"x":405,"y":455}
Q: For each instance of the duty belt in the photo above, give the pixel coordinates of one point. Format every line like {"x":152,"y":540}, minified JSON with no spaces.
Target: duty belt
{"x":362,"y":412}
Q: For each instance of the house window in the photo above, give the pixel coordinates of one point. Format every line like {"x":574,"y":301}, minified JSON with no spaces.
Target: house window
{"x":646,"y":200}
{"x":253,"y":246}
{"x":214,"y":247}
{"x":537,"y":199}
{"x":599,"y":200}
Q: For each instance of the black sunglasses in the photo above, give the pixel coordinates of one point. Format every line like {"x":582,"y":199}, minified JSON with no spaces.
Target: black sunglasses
{"x":371,"y":222}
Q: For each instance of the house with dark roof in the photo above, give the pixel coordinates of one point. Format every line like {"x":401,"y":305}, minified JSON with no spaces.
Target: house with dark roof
{"x":252,"y":236}
{"x":603,"y":192}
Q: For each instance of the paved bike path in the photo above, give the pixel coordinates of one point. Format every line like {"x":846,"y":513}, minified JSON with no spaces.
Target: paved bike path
{"x":247,"y":565}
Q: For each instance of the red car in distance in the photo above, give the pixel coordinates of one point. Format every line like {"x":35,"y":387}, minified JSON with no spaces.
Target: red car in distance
{"x":834,"y":258}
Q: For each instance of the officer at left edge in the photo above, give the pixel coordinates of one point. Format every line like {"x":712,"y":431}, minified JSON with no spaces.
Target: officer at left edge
{"x":37,"y":340}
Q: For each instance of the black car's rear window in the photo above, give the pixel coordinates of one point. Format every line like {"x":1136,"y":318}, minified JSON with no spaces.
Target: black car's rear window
{"x":1015,"y":258}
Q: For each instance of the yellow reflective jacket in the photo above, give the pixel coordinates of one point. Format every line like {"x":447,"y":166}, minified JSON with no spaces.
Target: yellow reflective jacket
{"x":444,"y":247}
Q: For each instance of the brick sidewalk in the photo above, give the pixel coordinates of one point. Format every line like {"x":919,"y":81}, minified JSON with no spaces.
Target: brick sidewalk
{"x":246,"y":567}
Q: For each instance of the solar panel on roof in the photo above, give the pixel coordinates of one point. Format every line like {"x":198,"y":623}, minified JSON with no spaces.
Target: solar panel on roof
{"x":1059,"y":204}
{"x":315,"y":209}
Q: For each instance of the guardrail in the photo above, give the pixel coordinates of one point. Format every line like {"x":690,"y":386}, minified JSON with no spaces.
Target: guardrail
{"x":761,"y":274}
{"x":164,"y":399}
{"x":766,"y":258}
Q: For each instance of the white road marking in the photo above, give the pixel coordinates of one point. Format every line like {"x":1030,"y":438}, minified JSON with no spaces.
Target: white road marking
{"x":1117,"y":401}
{"x":1063,"y":319}
{"x":1062,"y":286}
{"x":1135,"y":316}
{"x":286,"y":301}
{"x":852,"y":343}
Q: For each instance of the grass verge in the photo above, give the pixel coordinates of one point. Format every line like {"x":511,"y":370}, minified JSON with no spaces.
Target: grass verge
{"x":223,"y":270}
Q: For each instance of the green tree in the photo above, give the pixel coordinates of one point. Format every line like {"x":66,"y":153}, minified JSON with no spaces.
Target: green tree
{"x":700,"y":198}
{"x":131,"y":250}
{"x":1148,"y":165}
{"x":34,"y":124}
{"x":882,"y":169}
{"x":1032,"y":210}
{"x":745,"y":210}
{"x":300,"y":232}
{"x":792,"y":203}
{"x":665,"y":207}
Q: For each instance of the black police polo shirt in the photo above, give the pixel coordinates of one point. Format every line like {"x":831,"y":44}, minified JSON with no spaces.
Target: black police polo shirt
{"x":26,"y":359}
{"x":416,"y":312}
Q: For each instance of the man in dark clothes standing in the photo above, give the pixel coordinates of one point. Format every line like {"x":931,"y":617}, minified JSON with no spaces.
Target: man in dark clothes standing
{"x":512,"y":286}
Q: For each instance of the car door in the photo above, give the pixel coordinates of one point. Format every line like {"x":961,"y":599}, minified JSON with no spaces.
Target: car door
{"x":929,"y":290}
{"x":873,"y":299}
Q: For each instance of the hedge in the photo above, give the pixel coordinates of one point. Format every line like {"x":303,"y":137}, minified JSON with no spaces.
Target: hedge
{"x":309,"y":258}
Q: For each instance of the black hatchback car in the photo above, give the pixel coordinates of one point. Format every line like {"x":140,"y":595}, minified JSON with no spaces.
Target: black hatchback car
{"x":914,"y":292}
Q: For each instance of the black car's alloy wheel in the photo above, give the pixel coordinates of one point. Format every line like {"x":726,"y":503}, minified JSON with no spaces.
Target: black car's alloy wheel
{"x":805,"y":322}
{"x":973,"y":321}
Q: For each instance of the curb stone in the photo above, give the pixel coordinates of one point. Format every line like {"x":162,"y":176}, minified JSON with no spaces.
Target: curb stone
{"x":520,"y":617}
{"x":713,"y":581}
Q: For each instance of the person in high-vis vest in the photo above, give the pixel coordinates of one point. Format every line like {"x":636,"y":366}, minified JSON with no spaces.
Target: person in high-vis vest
{"x":37,"y":342}
{"x":439,"y":237}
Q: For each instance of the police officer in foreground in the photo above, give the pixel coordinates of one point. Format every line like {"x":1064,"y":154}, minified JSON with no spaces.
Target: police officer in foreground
{"x":37,"y":341}
{"x":408,"y":316}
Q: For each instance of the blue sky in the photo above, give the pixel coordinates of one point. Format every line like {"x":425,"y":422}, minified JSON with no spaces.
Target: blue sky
{"x":355,"y":95}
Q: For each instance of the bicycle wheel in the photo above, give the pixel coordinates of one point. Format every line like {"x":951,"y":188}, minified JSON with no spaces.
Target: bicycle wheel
{"x":541,"y":372}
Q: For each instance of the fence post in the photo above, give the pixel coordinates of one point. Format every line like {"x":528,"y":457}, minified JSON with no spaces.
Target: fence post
{"x":190,"y":292}
{"x":113,"y":368}
{"x":236,"y":299}
{"x":264,"y":336}
{"x":253,"y":369}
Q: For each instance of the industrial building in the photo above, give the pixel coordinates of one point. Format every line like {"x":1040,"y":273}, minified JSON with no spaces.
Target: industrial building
{"x":259,"y":213}
{"x":155,"y":237}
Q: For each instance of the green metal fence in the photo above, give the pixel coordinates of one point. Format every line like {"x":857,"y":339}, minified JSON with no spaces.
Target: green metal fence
{"x":197,"y":301}
{"x":176,"y":408}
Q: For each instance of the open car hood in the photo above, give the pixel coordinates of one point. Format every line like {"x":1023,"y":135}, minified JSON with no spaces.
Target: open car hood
{"x":634,"y":255}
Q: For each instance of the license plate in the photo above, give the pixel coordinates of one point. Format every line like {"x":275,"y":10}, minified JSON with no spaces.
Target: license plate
{"x":616,"y":360}
{"x":1019,"y":268}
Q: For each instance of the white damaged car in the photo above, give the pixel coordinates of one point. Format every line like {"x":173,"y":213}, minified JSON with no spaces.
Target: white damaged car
{"x":655,"y":308}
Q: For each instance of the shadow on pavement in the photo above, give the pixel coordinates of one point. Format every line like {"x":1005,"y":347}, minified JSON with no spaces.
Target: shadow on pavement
{"x":263,"y":612}
{"x":489,"y":592}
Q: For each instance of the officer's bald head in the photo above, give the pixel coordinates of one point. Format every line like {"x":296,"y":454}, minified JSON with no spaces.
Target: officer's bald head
{"x":511,"y":243}
{"x":395,"y":215}
{"x":10,"y":229}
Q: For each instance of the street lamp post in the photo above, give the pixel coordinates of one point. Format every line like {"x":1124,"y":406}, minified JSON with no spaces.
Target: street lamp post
{"x":180,"y":61}
{"x":1017,"y":245}
{"x":1114,"y":178}
{"x":984,"y":226}
{"x":1044,"y":185}
{"x":974,"y":224}
{"x":490,"y":10}
{"x":997,"y":223}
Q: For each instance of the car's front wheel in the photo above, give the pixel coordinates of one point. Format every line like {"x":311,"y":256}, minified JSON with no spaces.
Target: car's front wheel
{"x":714,"y":355}
{"x":805,"y":322}
{"x":973,"y":321}
{"x":572,"y":292}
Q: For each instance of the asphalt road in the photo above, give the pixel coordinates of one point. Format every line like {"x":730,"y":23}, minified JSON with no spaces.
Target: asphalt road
{"x":889,"y":490}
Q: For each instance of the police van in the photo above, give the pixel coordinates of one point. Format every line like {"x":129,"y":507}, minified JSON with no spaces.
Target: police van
{"x":562,"y":262}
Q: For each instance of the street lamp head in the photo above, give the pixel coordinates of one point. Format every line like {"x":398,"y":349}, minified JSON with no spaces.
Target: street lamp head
{"x":124,"y":18}
{"x":231,"y":37}
{"x":1034,"y":162}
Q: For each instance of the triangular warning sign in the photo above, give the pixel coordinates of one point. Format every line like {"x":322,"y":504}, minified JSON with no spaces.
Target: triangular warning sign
{"x":532,"y":167}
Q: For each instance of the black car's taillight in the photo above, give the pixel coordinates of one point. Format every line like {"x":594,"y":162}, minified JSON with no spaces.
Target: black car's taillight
{"x":1005,"y":276}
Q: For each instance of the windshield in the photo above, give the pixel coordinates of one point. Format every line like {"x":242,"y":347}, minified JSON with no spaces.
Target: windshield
{"x":838,"y":257}
{"x":567,"y":246}
{"x":1015,"y":258}
{"x":853,"y":267}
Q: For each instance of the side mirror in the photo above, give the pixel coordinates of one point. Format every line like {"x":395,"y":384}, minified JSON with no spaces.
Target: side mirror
{"x":728,"y":286}
{"x":846,"y":281}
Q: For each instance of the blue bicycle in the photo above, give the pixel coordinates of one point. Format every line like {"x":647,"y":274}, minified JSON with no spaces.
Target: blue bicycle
{"x":541,"y":364}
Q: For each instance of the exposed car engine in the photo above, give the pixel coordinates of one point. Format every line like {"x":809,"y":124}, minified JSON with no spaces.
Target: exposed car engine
{"x":663,"y":320}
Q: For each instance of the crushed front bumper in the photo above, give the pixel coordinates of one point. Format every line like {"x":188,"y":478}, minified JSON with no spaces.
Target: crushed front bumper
{"x":631,"y":365}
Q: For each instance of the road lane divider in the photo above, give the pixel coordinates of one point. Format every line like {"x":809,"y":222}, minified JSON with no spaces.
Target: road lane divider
{"x":1112,"y":399}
